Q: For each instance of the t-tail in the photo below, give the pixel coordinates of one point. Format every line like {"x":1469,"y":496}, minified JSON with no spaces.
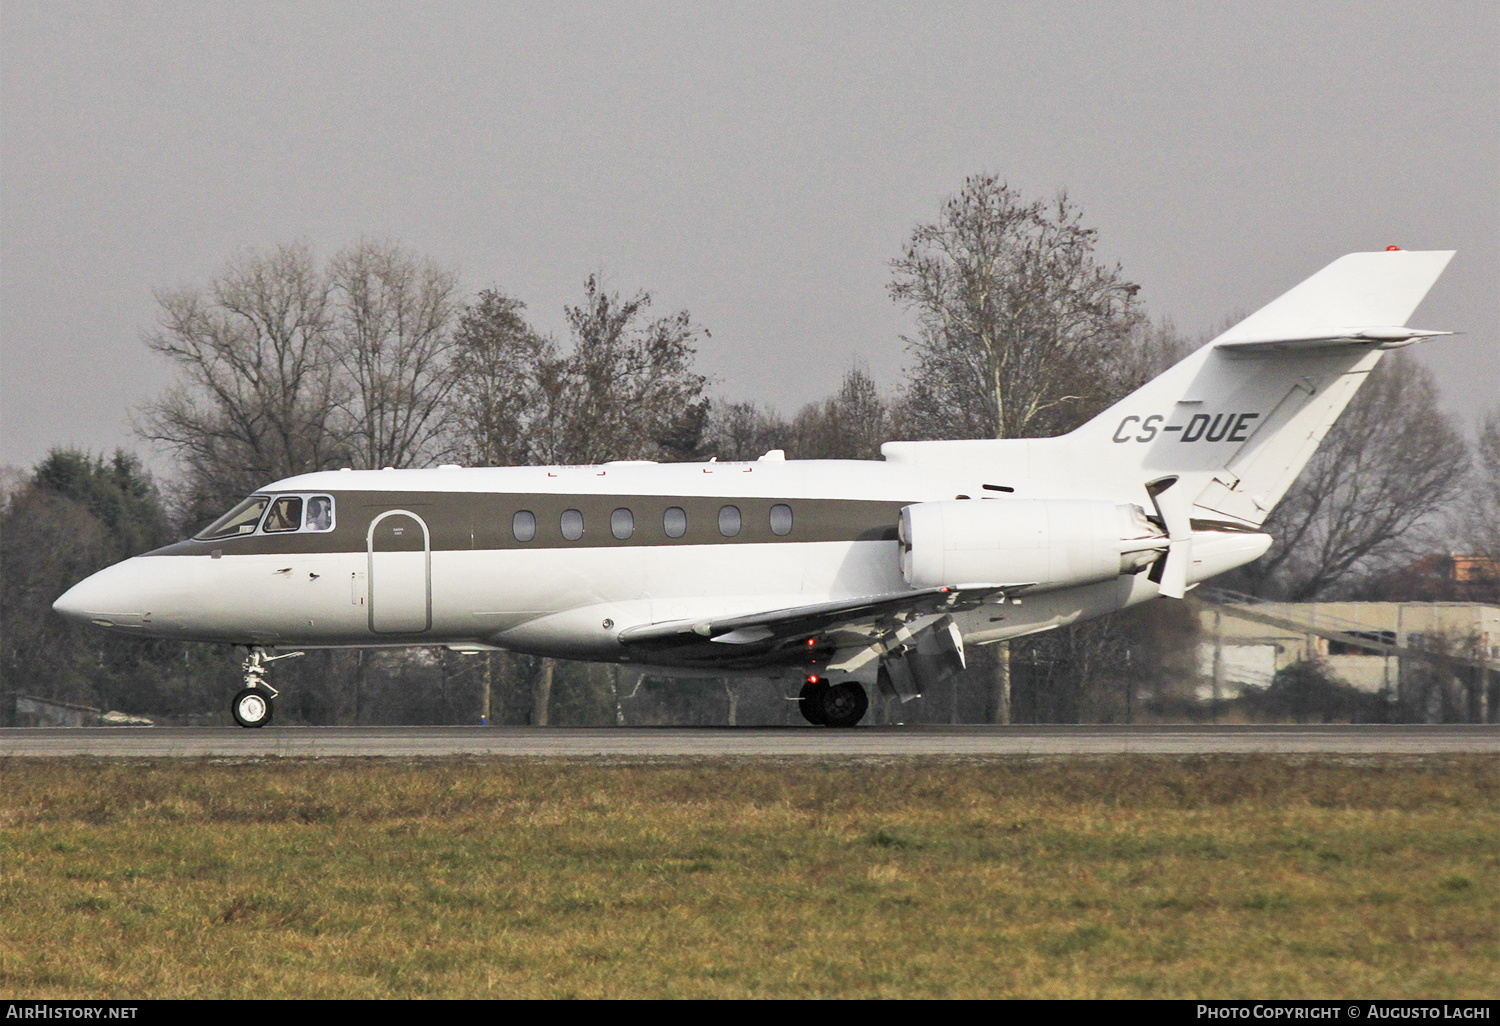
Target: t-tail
{"x":1219,"y":438}
{"x":1214,"y":442}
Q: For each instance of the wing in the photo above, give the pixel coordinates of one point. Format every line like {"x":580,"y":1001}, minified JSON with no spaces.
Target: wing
{"x":783,"y":636}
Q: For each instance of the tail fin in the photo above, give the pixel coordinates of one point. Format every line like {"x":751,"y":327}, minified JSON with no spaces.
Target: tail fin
{"x":1237,"y":420}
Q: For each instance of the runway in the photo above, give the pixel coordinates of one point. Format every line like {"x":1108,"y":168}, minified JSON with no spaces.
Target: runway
{"x":616,"y":744}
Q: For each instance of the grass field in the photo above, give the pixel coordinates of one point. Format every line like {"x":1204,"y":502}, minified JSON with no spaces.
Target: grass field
{"x":1133,"y":876}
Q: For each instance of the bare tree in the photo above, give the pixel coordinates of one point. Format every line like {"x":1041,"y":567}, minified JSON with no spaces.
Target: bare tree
{"x":745,"y":431}
{"x":1017,"y":321}
{"x":1152,"y":346}
{"x":1482,"y":507}
{"x":1373,"y":494}
{"x":257,"y":394}
{"x":500,"y":368}
{"x":625,"y":389}
{"x":850,"y":424}
{"x":391,"y":336}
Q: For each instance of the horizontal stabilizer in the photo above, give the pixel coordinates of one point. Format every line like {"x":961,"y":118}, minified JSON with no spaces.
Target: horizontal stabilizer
{"x":1330,"y":338}
{"x":1381,"y":288}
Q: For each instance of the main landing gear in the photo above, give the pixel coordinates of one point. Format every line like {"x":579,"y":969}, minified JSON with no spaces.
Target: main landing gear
{"x":254,"y":705}
{"x":832,"y":705}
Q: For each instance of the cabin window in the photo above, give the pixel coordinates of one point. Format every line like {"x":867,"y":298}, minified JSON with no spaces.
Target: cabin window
{"x":239,"y":521}
{"x":729,"y":521}
{"x":781,"y":520}
{"x":523,"y":525}
{"x":622,"y":524}
{"x":285,"y":515}
{"x":319,"y":513}
{"x":572,"y":524}
{"x":674,"y":522}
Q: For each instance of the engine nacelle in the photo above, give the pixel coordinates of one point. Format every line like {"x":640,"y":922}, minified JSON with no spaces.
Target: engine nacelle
{"x":1051,"y":543}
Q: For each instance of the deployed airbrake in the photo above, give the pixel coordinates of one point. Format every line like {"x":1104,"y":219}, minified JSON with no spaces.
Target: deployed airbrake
{"x":839,"y":576}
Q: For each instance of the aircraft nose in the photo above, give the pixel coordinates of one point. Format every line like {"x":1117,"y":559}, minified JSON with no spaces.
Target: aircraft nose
{"x":111,"y":597}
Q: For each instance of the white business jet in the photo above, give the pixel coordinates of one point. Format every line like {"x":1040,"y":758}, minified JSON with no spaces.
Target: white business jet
{"x":839,"y":576}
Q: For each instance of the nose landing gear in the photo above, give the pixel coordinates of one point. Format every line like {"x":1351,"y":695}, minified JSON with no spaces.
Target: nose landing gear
{"x":254,"y":705}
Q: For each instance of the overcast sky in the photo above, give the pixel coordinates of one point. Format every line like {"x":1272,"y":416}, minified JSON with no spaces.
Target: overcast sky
{"x":759,"y":165}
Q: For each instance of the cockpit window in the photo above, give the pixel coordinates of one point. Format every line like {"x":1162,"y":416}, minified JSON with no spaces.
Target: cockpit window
{"x":319,"y":513}
{"x":285,"y":515}
{"x":239,"y":521}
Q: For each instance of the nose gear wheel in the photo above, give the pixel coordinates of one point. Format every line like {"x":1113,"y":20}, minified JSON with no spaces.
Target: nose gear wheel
{"x":252,"y":707}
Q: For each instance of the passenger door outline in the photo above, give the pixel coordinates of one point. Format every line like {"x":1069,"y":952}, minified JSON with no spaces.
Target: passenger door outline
{"x":393,"y":610}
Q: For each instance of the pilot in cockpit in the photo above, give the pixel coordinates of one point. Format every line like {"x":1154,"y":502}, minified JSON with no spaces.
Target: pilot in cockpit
{"x":319,"y":513}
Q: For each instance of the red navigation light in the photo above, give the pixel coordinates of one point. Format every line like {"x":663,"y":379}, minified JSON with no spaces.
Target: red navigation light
{"x":811,"y":642}
{"x":1393,"y":249}
{"x":812,"y":678}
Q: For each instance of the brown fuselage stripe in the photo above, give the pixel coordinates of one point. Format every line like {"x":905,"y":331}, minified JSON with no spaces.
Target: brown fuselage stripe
{"x":463,"y":521}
